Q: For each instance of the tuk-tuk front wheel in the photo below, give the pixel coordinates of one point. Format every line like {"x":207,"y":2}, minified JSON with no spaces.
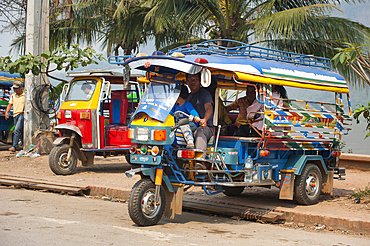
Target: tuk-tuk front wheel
{"x":58,"y":160}
{"x":308,"y":185}
{"x":142,"y":208}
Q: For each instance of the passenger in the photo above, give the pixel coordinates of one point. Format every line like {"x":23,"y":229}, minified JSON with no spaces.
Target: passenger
{"x":257,"y":123}
{"x":182,"y":105}
{"x":202,"y":101}
{"x":279,"y":91}
{"x":223,"y":118}
{"x":242,"y":104}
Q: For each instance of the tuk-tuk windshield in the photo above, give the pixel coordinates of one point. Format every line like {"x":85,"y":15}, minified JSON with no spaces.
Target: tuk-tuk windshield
{"x":81,"y":90}
{"x":159,"y":99}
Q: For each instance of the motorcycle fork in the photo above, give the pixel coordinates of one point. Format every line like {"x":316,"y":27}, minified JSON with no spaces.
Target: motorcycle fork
{"x":158,"y":183}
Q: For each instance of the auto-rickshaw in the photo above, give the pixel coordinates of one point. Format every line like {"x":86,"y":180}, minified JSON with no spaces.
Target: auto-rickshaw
{"x":93,"y":119}
{"x":6,"y":125}
{"x":297,"y":150}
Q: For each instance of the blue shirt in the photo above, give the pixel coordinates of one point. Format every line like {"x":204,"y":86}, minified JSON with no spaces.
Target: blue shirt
{"x":186,"y":108}
{"x":198,"y":100}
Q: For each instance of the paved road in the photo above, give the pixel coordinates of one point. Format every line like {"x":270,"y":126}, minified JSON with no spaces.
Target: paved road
{"x":36,"y":218}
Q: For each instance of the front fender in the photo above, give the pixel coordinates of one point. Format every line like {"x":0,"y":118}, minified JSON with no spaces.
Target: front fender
{"x":144,"y":171}
{"x":60,"y":140}
{"x":69,"y":127}
{"x":66,"y":140}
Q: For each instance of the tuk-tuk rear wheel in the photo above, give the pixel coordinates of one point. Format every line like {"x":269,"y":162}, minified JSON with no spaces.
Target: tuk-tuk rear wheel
{"x":308,"y":185}
{"x":58,"y":157}
{"x":141,"y":206}
{"x":233,"y":191}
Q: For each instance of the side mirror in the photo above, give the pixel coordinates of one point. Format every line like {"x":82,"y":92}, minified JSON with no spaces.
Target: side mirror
{"x":108,"y":90}
{"x":205,"y":79}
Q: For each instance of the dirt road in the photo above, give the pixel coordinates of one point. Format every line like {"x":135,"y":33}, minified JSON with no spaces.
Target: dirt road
{"x":37,"y":218}
{"x":110,"y":173}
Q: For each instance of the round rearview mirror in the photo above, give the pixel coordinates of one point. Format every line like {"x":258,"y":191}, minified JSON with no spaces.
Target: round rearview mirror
{"x":126,"y":76}
{"x":205,"y":79}
{"x":108,"y":89}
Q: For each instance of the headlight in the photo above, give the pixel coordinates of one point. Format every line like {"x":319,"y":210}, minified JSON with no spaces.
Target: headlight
{"x":142,"y":134}
{"x":67,"y":114}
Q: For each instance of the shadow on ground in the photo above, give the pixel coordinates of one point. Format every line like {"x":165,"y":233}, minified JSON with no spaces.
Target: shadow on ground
{"x":105,"y":168}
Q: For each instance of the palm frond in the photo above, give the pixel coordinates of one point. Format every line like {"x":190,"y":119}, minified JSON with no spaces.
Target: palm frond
{"x":287,"y":22}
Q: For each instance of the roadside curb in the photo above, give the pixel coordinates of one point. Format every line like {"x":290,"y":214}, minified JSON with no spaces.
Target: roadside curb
{"x":111,"y":192}
{"x":335,"y":223}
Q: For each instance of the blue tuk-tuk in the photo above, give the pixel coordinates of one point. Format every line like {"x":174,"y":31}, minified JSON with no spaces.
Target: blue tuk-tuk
{"x":297,"y":149}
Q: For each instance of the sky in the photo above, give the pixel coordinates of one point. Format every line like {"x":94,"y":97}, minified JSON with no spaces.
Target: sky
{"x":356,"y":12}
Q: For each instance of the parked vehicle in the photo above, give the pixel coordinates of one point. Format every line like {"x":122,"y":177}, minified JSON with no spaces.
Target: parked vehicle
{"x":93,"y":119}
{"x":297,"y":150}
{"x":6,"y":125}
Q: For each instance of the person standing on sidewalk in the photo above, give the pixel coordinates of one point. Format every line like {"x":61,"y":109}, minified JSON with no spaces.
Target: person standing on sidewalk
{"x":17,"y":101}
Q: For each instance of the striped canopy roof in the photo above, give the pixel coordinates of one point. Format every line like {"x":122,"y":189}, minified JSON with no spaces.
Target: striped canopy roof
{"x":286,"y":69}
{"x":7,"y":79}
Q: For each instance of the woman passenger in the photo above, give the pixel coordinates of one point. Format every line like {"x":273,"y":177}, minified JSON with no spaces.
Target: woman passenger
{"x":277,"y":92}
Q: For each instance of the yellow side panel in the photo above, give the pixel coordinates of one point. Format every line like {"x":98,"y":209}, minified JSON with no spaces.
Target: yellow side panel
{"x":144,"y":120}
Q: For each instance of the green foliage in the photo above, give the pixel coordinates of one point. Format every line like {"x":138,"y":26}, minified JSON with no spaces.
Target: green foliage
{"x":347,"y":54}
{"x":365,"y":112}
{"x":353,"y":61}
{"x":361,"y":193}
{"x":359,"y":61}
{"x":342,"y":145}
{"x":297,"y":26}
{"x":61,"y":58}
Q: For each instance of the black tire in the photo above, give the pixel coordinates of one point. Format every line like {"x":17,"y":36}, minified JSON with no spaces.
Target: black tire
{"x":233,"y":191}
{"x":57,"y":162}
{"x":140,"y":209}
{"x":127,"y":156}
{"x":308,"y":185}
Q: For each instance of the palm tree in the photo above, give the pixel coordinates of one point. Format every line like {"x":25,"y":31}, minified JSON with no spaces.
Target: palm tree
{"x":75,"y":21}
{"x":13,"y":17}
{"x":124,"y":27}
{"x":115,"y":23}
{"x":291,"y":25}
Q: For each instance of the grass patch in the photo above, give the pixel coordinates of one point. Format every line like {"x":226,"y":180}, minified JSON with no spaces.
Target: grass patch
{"x":364,"y":195}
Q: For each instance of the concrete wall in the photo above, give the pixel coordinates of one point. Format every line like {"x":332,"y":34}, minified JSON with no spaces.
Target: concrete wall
{"x":355,"y":161}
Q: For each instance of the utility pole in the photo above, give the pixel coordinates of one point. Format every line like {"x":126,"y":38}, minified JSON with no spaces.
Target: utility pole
{"x":37,"y":41}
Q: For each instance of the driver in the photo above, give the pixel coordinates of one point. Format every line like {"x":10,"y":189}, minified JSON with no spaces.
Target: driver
{"x":202,"y":101}
{"x":87,"y":89}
